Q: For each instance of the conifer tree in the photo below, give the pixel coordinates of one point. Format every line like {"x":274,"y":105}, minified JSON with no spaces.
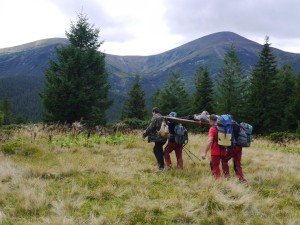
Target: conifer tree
{"x":203,"y":97}
{"x":76,"y":83}
{"x":288,"y":93}
{"x":174,"y":97}
{"x":6,"y":110}
{"x":231,"y":87}
{"x":154,"y":97}
{"x":296,"y":100}
{"x":264,"y":108}
{"x":135,"y":106}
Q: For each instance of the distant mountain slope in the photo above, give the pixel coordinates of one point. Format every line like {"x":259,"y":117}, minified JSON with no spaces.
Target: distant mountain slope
{"x":32,"y":59}
{"x":29,"y":59}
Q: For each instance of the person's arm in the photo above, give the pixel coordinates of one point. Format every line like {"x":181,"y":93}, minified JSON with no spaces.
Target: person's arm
{"x":207,"y":147}
{"x":149,"y":128}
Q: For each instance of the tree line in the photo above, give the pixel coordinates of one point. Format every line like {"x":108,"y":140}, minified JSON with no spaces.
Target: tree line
{"x":268,"y":98}
{"x":76,"y":88}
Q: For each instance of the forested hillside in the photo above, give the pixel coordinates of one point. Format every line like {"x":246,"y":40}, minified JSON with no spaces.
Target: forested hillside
{"x":22,"y":67}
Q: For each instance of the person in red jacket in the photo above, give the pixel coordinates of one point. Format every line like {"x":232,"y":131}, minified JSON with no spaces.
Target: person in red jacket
{"x":217,"y":152}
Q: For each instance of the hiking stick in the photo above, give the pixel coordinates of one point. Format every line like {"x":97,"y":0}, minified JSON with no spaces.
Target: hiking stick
{"x":191,"y":153}
{"x":189,"y":156}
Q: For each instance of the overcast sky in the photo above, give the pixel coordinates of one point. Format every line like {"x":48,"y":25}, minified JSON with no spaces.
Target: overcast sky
{"x":142,"y":27}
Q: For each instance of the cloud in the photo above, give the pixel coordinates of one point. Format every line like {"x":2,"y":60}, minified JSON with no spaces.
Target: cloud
{"x":143,"y":27}
{"x":194,"y":18}
{"x":113,"y":29}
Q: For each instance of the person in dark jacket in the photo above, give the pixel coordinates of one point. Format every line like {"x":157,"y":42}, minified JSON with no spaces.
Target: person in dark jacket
{"x":173,"y":146}
{"x":151,"y":133}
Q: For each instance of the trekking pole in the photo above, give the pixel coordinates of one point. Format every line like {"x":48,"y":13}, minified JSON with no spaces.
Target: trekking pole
{"x":192,"y":153}
{"x":189,"y":156}
{"x":188,"y":152}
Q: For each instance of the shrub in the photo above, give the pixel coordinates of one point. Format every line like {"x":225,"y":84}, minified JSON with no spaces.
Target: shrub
{"x":15,"y":147}
{"x":283,"y":137}
{"x":115,"y":139}
{"x":64,"y":143}
{"x":10,"y":148}
{"x":135,"y":123}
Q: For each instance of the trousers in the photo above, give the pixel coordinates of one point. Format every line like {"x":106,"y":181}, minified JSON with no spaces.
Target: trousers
{"x":236,"y":154}
{"x":172,"y":146}
{"x":159,"y":154}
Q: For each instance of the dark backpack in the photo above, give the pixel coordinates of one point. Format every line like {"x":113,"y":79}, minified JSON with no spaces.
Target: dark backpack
{"x":245,"y":135}
{"x":181,"y":134}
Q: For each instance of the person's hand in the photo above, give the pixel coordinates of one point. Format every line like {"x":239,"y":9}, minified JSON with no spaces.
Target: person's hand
{"x":203,"y":156}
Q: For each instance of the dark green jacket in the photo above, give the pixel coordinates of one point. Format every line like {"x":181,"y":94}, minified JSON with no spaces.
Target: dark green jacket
{"x":154,"y":126}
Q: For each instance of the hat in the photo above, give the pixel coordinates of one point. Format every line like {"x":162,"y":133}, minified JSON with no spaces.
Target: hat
{"x":173,"y":114}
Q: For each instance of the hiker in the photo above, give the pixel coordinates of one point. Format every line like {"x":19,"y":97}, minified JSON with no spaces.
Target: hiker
{"x":152,"y":133}
{"x":234,"y":152}
{"x":174,"y":143}
{"x":203,"y":117}
{"x":217,"y":152}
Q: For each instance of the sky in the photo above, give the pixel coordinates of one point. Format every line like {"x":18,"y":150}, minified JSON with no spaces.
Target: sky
{"x":145,"y":27}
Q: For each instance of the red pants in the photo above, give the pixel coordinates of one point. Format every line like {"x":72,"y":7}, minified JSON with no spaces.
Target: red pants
{"x":178,"y":151}
{"x":215,"y":166}
{"x":236,"y":154}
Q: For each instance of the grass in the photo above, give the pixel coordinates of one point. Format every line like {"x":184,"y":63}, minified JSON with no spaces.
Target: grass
{"x":114,"y":180}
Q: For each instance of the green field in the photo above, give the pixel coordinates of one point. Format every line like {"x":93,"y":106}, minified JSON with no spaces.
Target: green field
{"x":114,"y":180}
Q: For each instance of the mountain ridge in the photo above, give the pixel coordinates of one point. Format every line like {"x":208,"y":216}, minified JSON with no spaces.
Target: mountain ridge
{"x":32,"y":59}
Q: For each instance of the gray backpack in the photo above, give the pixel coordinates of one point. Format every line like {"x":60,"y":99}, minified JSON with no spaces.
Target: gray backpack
{"x":245,"y":135}
{"x":181,"y":134}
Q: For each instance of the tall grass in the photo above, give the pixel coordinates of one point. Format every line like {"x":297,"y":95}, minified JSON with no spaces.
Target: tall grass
{"x":113,"y":179}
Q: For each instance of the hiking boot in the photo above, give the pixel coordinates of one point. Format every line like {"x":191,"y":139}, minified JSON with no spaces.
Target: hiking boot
{"x":243,"y":181}
{"x":161,"y":169}
{"x":169,"y":167}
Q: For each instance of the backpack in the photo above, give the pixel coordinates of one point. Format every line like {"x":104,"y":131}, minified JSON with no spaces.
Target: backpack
{"x":245,"y":135}
{"x":164,"y":130}
{"x":181,"y":134}
{"x":236,"y":130}
{"x":225,"y":130}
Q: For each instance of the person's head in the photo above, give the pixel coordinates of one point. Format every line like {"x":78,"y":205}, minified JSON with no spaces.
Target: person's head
{"x":213,"y":119}
{"x":173,"y":114}
{"x":155,"y":110}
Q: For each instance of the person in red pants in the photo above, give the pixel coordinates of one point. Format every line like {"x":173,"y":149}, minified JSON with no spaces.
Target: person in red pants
{"x":234,"y":153}
{"x":173,"y":146}
{"x":217,"y":152}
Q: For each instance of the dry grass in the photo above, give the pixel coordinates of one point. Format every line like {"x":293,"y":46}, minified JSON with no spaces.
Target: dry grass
{"x":114,"y":180}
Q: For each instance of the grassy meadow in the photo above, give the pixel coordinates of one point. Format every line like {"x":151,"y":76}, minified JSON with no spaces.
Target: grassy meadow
{"x":54,"y":177}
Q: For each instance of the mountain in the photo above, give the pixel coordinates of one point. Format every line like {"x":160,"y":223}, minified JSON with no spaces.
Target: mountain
{"x":22,"y":67}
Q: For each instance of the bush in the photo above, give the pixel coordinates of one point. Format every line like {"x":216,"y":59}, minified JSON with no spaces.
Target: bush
{"x":10,"y":148}
{"x":283,"y":137}
{"x":197,"y":129}
{"x":135,"y":123}
{"x":16,"y":148}
{"x":116,"y":139}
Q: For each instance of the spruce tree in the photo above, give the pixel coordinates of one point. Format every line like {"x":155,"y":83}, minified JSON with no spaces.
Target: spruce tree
{"x":76,"y":83}
{"x":288,"y":92}
{"x":231,"y":87}
{"x":174,"y":97}
{"x":6,"y":110}
{"x":296,"y":105}
{"x":154,"y":97}
{"x":264,"y":97}
{"x":135,"y":106}
{"x":203,"y":97}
